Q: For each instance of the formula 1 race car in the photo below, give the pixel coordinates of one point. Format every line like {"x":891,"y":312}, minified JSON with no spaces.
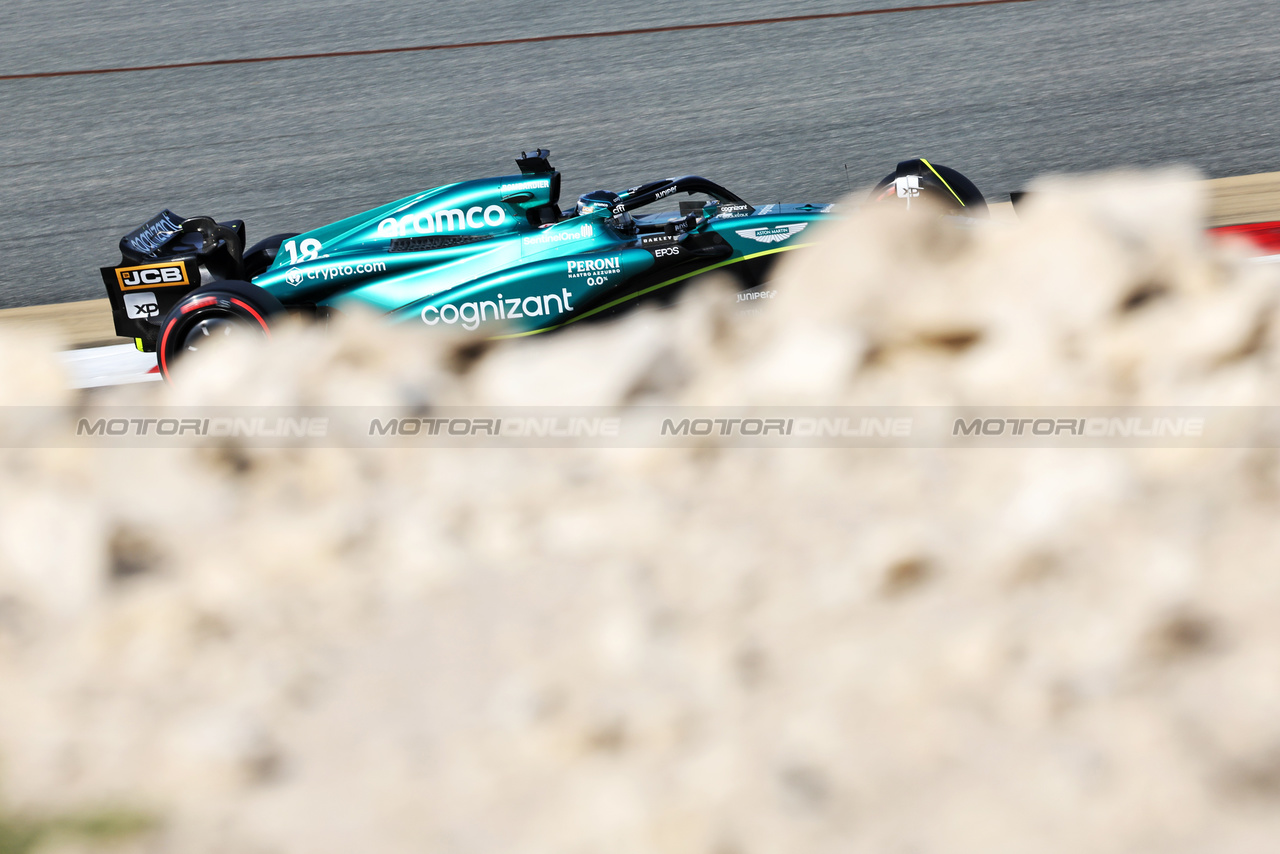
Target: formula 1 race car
{"x":497,"y":255}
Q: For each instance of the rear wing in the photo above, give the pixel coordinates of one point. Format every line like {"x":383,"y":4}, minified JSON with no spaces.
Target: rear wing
{"x":161,"y":261}
{"x":142,"y":294}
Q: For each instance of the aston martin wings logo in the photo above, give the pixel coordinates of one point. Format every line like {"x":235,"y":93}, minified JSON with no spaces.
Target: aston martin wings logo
{"x":775,"y":234}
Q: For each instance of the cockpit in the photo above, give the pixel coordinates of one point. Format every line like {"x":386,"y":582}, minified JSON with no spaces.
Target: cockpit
{"x":644,"y":209}
{"x":622,"y":211}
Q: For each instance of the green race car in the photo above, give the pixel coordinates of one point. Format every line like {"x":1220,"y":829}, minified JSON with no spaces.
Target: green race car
{"x":496,"y":255}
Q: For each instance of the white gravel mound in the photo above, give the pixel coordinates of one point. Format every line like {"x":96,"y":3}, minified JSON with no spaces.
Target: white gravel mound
{"x":700,"y":651}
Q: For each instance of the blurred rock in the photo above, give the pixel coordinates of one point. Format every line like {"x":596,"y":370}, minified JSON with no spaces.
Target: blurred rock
{"x":699,"y":651}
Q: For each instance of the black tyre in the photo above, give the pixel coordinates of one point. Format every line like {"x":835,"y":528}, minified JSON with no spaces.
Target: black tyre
{"x":943,"y":185}
{"x":217,"y":310}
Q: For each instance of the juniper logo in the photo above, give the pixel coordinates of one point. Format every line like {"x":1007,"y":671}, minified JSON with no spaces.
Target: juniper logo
{"x":775,"y":234}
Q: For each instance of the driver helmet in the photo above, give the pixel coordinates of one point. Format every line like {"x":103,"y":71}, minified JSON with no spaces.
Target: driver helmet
{"x":609,"y":205}
{"x":945,"y":187}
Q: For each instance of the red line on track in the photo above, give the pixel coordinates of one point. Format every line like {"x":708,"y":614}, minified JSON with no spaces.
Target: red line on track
{"x":756,"y":22}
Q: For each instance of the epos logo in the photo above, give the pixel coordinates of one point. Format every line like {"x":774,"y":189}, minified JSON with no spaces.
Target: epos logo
{"x":151,"y":275}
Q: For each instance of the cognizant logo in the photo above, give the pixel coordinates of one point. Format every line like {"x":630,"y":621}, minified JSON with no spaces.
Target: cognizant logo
{"x":471,"y":314}
{"x":441,"y":221}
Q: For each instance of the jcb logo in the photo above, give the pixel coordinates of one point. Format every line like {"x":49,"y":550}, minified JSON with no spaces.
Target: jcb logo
{"x":151,"y":275}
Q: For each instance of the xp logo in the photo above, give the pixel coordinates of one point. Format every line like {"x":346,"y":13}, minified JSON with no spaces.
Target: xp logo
{"x":908,"y":186}
{"x":131,"y":278}
{"x":141,"y":306}
{"x":293,"y":277}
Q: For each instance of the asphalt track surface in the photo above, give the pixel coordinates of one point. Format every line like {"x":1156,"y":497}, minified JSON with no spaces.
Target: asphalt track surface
{"x":773,"y":111}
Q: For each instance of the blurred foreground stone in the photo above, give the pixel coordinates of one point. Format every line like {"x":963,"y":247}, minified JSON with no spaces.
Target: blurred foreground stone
{"x":701,"y":651}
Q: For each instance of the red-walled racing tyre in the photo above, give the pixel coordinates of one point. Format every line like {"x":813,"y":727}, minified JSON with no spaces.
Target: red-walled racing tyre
{"x":218,"y":310}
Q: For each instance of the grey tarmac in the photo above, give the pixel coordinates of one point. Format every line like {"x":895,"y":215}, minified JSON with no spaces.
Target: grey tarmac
{"x":775,"y":112}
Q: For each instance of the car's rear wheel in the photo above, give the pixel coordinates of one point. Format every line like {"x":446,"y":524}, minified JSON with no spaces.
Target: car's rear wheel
{"x":216,"y":312}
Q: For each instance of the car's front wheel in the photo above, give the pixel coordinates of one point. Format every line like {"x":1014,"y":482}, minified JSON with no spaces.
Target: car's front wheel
{"x":217,"y":311}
